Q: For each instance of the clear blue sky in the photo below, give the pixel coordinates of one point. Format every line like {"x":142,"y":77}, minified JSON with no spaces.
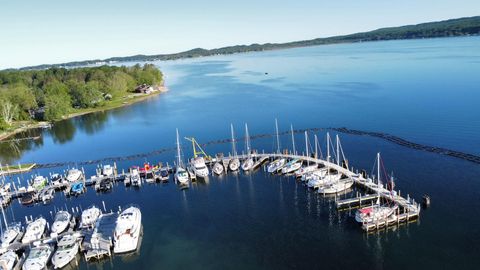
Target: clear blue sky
{"x":51,"y":31}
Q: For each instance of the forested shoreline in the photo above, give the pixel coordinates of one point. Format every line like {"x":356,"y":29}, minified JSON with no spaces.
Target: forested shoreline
{"x":52,"y":94}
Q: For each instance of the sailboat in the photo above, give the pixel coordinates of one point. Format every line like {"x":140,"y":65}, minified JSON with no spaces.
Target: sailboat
{"x":334,"y":184}
{"x":181,"y":175}
{"x":197,"y":163}
{"x":377,"y":211}
{"x":247,"y":163}
{"x":234,"y":163}
{"x":277,"y":164}
{"x":12,"y":231}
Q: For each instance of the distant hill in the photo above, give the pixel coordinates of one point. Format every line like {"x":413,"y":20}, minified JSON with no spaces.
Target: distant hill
{"x":449,"y":28}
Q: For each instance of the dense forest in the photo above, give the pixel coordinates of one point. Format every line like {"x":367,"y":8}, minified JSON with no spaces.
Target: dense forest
{"x":60,"y":91}
{"x":448,"y":28}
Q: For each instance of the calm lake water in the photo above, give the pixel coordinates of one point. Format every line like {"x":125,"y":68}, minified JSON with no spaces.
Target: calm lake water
{"x":426,"y":91}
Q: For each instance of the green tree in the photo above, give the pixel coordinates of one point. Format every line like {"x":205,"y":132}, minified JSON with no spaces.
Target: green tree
{"x":57,"y":101}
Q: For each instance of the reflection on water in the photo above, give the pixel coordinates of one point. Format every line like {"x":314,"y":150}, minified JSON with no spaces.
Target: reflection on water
{"x":63,"y":131}
{"x":92,"y":123}
{"x":13,"y":148}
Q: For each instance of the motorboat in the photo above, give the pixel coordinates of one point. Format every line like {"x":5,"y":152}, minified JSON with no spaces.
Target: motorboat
{"x":39,"y":182}
{"x":164,"y":174}
{"x":292,"y":166}
{"x":181,"y":175}
{"x":60,"y":223}
{"x":337,"y":186}
{"x":247,"y":165}
{"x":127,"y":230}
{"x":108,"y":171}
{"x":67,"y":250}
{"x":5,"y":189}
{"x":375,"y":213}
{"x":135,"y":178}
{"x":11,"y":233}
{"x":191,"y":173}
{"x":199,"y":167}
{"x":38,"y":258}
{"x":89,"y":217}
{"x":34,"y":230}
{"x":46,"y":195}
{"x":307,"y":169}
{"x":77,"y":188}
{"x":276,"y":165}
{"x":8,"y":260}
{"x":217,"y":168}
{"x":317,"y":173}
{"x":74,"y":175}
{"x":56,"y":179}
{"x":27,"y":198}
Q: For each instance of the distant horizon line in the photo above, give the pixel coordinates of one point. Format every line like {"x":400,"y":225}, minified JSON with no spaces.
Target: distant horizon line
{"x":253,"y":47}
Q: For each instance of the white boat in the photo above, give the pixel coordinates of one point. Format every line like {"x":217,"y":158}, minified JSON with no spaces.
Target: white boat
{"x":307,"y":169}
{"x":5,"y":189}
{"x":181,"y":175}
{"x":248,"y":162}
{"x":67,"y":250}
{"x":292,"y":166}
{"x":46,"y":194}
{"x":316,"y":182}
{"x":376,"y":212}
{"x":135,"y":178}
{"x":234,"y":163}
{"x":39,"y":182}
{"x":56,"y":179}
{"x":317,"y":173}
{"x":247,"y":165}
{"x":8,"y":260}
{"x":60,"y":223}
{"x":34,"y":230}
{"x":11,"y":233}
{"x":276,"y":165}
{"x":217,"y":168}
{"x":107,"y":171}
{"x":199,"y":167}
{"x":335,"y":186}
{"x":127,"y":230}
{"x":74,"y":175}
{"x":38,"y":258}
{"x":89,"y":217}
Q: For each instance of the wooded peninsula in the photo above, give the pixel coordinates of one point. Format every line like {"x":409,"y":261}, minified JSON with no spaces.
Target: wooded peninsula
{"x":52,"y":94}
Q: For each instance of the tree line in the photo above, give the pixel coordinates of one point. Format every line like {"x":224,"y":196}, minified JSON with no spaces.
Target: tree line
{"x":59,"y":91}
{"x":447,"y":28}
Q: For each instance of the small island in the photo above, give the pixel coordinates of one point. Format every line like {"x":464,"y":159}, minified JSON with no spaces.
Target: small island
{"x":35,"y":98}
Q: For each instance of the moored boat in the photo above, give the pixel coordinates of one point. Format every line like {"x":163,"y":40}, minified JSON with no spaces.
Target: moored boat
{"x":60,"y":223}
{"x":135,"y":178}
{"x":292,"y":166}
{"x":11,"y":233}
{"x":217,"y":168}
{"x":74,"y":175}
{"x":127,"y":230}
{"x":89,"y":217}
{"x":34,"y":230}
{"x":38,"y":258}
{"x":67,"y":249}
{"x":8,"y":260}
{"x":276,"y":165}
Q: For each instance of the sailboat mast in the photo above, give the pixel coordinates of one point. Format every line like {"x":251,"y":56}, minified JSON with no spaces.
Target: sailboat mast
{"x":178,"y":150}
{"x":234,"y":150}
{"x":306,"y":148}
{"x":4,"y":218}
{"x":247,"y":139}
{"x":328,"y":147}
{"x":316,"y":145}
{"x":338,"y":149}
{"x":278,"y":138}
{"x":293,"y":140}
{"x":378,"y":170}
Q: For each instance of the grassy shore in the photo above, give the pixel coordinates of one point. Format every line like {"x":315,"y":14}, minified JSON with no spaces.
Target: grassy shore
{"x":12,"y":169}
{"x":21,"y":126}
